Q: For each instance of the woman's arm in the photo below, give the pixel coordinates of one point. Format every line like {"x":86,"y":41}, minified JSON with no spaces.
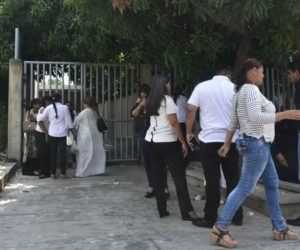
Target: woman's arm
{"x":140,"y":104}
{"x":79,"y":118}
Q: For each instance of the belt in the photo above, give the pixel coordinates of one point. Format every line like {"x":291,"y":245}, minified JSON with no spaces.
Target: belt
{"x":252,"y":137}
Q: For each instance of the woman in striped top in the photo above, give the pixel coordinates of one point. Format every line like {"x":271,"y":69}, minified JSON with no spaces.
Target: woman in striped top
{"x":255,"y":116}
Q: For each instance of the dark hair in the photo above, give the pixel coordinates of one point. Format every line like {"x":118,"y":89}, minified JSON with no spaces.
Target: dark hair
{"x":223,"y":70}
{"x":71,"y":110}
{"x":157,"y":94}
{"x":69,"y":102}
{"x":241,"y":76}
{"x":35,"y":101}
{"x":44,"y":99}
{"x":144,"y":88}
{"x":56,"y":98}
{"x":294,"y":65}
{"x":177,"y":92}
{"x":88,"y":100}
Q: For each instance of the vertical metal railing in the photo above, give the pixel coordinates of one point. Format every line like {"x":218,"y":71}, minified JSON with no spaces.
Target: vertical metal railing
{"x":114,"y":87}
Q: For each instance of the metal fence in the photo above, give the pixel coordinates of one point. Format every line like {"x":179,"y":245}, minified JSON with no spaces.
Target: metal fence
{"x":278,"y":89}
{"x":114,"y":87}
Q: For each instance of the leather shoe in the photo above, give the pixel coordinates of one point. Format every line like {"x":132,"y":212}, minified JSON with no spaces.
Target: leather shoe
{"x":294,"y":222}
{"x":202,"y":223}
{"x":164,"y":214}
{"x":186,"y":216}
{"x":149,"y":194}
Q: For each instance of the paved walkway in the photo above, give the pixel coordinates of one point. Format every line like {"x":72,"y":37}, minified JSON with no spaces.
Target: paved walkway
{"x":95,"y":213}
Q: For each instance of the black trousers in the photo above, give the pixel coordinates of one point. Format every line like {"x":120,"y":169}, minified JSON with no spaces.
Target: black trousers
{"x":58,"y":143}
{"x":211,"y":162}
{"x":169,"y":153}
{"x":44,"y":152}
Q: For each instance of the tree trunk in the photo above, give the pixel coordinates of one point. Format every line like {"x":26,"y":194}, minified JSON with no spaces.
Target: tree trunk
{"x":242,"y":52}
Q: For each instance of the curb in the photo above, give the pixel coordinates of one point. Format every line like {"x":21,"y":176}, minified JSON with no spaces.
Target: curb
{"x":7,"y":171}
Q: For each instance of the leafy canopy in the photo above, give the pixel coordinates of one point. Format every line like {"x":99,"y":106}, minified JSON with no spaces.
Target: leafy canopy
{"x":192,"y":36}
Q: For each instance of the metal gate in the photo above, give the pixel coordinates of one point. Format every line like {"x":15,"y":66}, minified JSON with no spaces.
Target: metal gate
{"x":114,"y":87}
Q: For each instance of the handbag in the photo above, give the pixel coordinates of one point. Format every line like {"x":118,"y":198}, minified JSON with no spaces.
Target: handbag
{"x":74,"y":148}
{"x":101,"y":125}
{"x":29,"y":127}
{"x":139,"y":126}
{"x":70,"y":139}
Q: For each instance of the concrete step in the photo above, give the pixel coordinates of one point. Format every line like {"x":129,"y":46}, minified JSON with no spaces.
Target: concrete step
{"x":289,"y":193}
{"x":7,"y":170}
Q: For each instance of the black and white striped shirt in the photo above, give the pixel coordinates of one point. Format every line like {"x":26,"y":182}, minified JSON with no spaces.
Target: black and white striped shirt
{"x":250,"y":114}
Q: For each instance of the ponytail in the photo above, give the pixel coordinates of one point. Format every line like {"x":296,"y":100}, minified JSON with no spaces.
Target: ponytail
{"x":56,"y":98}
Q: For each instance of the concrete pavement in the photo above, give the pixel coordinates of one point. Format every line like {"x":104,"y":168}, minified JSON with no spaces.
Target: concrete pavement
{"x":110,"y":212}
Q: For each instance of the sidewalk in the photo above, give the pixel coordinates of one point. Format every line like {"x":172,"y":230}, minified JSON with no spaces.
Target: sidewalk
{"x":110,"y":212}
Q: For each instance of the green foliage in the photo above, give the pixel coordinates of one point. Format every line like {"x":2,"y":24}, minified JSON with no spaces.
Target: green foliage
{"x":192,"y":36}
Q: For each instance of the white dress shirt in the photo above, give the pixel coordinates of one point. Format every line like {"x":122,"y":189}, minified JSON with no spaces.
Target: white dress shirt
{"x":58,"y":126}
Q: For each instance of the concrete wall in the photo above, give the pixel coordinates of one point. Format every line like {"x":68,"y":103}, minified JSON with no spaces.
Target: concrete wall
{"x":15,"y":109}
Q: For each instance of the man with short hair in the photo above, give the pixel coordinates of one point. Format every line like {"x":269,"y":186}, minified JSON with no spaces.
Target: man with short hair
{"x":214,"y":99}
{"x":294,"y":76}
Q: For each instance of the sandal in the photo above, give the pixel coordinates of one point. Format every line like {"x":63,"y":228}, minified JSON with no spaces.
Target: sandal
{"x":217,"y":236}
{"x":285,"y":234}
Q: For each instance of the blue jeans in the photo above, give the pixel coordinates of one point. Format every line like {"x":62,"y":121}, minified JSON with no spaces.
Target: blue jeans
{"x":146,"y":158}
{"x":257,"y":162}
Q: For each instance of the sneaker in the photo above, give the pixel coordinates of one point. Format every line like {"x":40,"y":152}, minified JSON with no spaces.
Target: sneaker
{"x":199,"y":198}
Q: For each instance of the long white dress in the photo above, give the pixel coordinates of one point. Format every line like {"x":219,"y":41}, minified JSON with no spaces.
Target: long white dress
{"x":91,"y":155}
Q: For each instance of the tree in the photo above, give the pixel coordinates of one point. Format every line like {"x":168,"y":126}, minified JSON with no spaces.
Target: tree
{"x":192,"y":36}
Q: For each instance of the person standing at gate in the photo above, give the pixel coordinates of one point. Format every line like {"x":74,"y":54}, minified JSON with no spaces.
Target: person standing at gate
{"x":60,"y":122}
{"x":214,"y":98}
{"x":164,"y":149}
{"x":42,"y":140}
{"x":91,"y":156}
{"x":294,"y":77}
{"x":255,"y":116}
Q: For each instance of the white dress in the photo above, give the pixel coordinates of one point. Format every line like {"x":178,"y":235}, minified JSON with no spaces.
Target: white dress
{"x":91,"y":155}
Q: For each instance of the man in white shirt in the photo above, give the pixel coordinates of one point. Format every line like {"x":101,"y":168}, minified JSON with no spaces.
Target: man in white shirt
{"x":214,"y":100}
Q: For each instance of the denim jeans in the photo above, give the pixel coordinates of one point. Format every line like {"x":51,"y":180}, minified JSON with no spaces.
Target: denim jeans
{"x":257,"y":162}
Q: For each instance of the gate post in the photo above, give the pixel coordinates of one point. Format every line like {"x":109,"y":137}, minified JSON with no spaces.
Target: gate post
{"x":14,"y":147}
{"x":145,"y":73}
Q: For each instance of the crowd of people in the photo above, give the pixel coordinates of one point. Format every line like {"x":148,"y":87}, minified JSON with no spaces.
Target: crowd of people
{"x":236,"y":120}
{"x":46,"y":147}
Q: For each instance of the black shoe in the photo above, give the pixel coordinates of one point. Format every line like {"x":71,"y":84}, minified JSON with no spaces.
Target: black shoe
{"x":237,"y":222}
{"x":164,"y":214}
{"x":168,"y":196}
{"x":294,"y":222}
{"x":187,"y":217}
{"x":149,"y":195}
{"x":44,"y":176}
{"x":202,"y":223}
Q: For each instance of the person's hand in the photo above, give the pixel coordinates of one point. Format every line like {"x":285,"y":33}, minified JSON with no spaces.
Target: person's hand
{"x":224,"y":150}
{"x":292,"y":114}
{"x":47,"y":138}
{"x":188,"y":137}
{"x":185,"y":150}
{"x":142,"y":102}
